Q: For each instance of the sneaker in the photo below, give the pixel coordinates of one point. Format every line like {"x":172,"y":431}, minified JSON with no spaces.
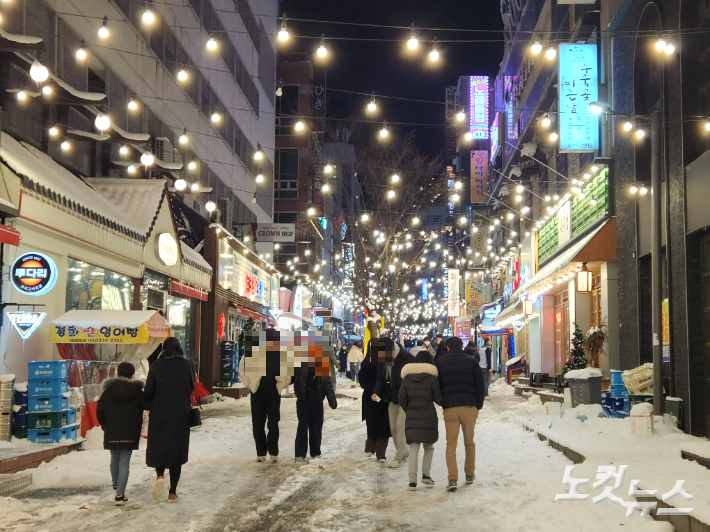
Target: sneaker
{"x":451,"y":486}
{"x":172,"y":497}
{"x":394,"y":463}
{"x":273,"y":459}
{"x":158,"y":489}
{"x":301,"y":460}
{"x":470,"y":479}
{"x":120,"y":500}
{"x":487,"y":398}
{"x":412,"y":486}
{"x":316,"y":457}
{"x":369,"y":455}
{"x":382,"y":460}
{"x":427,"y":480}
{"x":261,"y":458}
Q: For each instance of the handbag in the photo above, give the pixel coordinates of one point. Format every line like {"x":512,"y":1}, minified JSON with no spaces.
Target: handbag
{"x":195,"y":417}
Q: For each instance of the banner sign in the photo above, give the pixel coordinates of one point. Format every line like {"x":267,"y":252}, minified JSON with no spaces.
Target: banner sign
{"x":275,"y":232}
{"x":478,"y":115}
{"x":462,"y":329}
{"x":578,"y":87}
{"x":453,"y":295}
{"x":474,"y":296}
{"x":479,"y":176}
{"x":70,"y":334}
{"x":666,"y":331}
{"x":25,"y":323}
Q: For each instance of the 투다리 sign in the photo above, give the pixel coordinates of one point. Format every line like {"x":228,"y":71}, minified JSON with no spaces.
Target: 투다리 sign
{"x":276,"y":232}
{"x":33,"y":274}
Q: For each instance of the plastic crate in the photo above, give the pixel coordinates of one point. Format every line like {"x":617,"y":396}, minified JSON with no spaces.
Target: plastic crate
{"x":50,"y":403}
{"x":71,"y":416}
{"x":22,"y":410}
{"x":615,"y":377}
{"x":47,"y":370}
{"x":19,"y":420}
{"x":618,"y":391}
{"x":72,"y":432}
{"x":618,"y":404}
{"x":674,"y":407}
{"x":635,"y":399}
{"x":36,"y":388}
{"x":20,"y":432}
{"x":639,"y":380}
{"x":46,"y":420}
{"x":585,"y":391}
{"x":46,"y":436}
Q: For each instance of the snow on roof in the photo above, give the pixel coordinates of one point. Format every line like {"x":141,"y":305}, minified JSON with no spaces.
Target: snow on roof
{"x":21,"y":39}
{"x":190,"y":254}
{"x":135,"y":137}
{"x":82,"y":95}
{"x":137,"y":199}
{"x":99,"y":318}
{"x":43,"y":170}
{"x":87,"y":134}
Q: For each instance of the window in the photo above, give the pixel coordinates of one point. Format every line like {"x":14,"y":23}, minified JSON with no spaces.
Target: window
{"x":286,"y":174}
{"x":287,"y":110}
{"x":93,"y":288}
{"x":596,"y":303}
{"x":180,"y":315}
{"x":286,"y":217}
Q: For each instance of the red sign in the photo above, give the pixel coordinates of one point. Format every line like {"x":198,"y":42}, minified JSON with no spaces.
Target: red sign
{"x":220,"y":331}
{"x":558,"y":317}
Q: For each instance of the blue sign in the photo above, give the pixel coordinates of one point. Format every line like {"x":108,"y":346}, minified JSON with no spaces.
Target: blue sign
{"x":578,"y":87}
{"x":260,"y":289}
{"x":425,"y":290}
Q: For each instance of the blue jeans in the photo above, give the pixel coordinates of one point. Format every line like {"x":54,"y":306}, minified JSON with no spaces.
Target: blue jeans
{"x":486,"y":380}
{"x":120,"y":462}
{"x":354,"y":371}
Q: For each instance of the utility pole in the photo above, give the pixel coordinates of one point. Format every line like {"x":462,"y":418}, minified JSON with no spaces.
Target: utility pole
{"x":656,"y":286}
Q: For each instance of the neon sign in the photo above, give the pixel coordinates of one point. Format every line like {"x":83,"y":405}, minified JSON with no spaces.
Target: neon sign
{"x":26,"y":323}
{"x":479,"y":107}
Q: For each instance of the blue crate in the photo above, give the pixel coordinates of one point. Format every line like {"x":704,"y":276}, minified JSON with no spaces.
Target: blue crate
{"x":40,"y":387}
{"x":618,"y":404}
{"x":618,"y":391}
{"x":20,"y":398}
{"x":620,"y":414}
{"x":19,"y":420}
{"x":48,"y":435}
{"x":72,"y":432}
{"x":49,"y":403}
{"x":615,"y":377}
{"x":71,"y":416}
{"x":57,"y":369}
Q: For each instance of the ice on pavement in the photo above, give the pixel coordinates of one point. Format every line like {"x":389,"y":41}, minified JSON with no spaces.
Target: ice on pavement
{"x":223,"y":489}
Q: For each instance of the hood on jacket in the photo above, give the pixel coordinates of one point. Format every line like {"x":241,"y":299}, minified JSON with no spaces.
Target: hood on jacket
{"x":121,"y":389}
{"x":419,"y":369}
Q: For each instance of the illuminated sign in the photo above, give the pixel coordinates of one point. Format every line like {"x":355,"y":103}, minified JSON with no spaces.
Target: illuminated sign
{"x":558,"y":317}
{"x":425,"y":290}
{"x":253,"y":286}
{"x":492,"y":312}
{"x":511,"y":131}
{"x":33,"y":274}
{"x":578,"y":87}
{"x":276,"y":232}
{"x":478,"y":123}
{"x":322,"y":313}
{"x":220,"y":330}
{"x":26,"y":323}
{"x":479,"y":176}
{"x":453,"y":276}
{"x":298,"y":301}
{"x":495,"y":137}
{"x":166,"y":249}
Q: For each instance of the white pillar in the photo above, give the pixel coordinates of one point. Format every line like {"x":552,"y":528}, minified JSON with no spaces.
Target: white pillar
{"x":580,"y":309}
{"x":535,"y":343}
{"x":609,"y":359}
{"x":547,"y":333}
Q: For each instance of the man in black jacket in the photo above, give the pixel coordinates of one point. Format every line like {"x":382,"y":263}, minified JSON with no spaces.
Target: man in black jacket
{"x":397,"y":416}
{"x":310,"y":391}
{"x":462,"y":392}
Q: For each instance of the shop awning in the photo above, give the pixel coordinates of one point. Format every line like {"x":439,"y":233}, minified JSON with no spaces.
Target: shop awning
{"x":108,"y":327}
{"x":515,"y":308}
{"x":9,"y":236}
{"x":188,"y":291}
{"x":291,"y":316}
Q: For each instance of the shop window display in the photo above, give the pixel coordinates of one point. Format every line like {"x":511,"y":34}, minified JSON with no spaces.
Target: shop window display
{"x":179,"y":313}
{"x":93,"y":288}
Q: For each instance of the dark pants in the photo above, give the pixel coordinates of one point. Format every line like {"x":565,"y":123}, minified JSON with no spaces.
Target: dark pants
{"x":310,"y":424}
{"x":174,"y":476}
{"x":377,"y":446}
{"x":266,"y":407}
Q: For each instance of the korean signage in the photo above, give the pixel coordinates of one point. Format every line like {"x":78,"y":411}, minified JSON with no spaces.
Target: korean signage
{"x":479,"y":176}
{"x":425,"y":289}
{"x":166,"y":248}
{"x":666,"y":331}
{"x":450,"y":104}
{"x":578,"y":87}
{"x":474,"y":296}
{"x":71,"y":334}
{"x":478,"y":245}
{"x":462,"y":329}
{"x":348,"y":263}
{"x":495,"y":138}
{"x":453,"y":285}
{"x":237,"y":273}
{"x":564,"y":224}
{"x":478,"y":115}
{"x":511,"y":131}
{"x":25,"y":323}
{"x":33,"y":274}
{"x":275,"y":232}
{"x":298,"y":301}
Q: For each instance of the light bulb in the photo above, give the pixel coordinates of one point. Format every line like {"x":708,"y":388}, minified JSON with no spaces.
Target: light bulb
{"x":180,"y":184}
{"x":210,"y":206}
{"x":279,"y":91}
{"x":395,"y":178}
{"x":211,"y":44}
{"x":123,"y":150}
{"x":38,"y":72}
{"x":551,"y":52}
{"x":455,"y":198}
{"x":468,"y":136}
{"x":463,"y":220}
{"x":80,"y":53}
{"x":707,"y":125}
{"x":102,"y":122}
{"x":546,"y":121}
{"x":325,"y":188}
{"x":372,"y":106}
{"x":283,"y":34}
{"x":413,"y":43}
{"x":458,"y":185}
{"x":311,"y":211}
{"x":365,"y":217}
{"x":147,"y":159}
{"x":661,"y":44}
{"x":132,"y":105}
{"x":103,"y":32}
{"x":640,"y":133}
{"x":670,"y":48}
{"x":182,"y":75}
{"x":131,"y":169}
{"x":195,"y":187}
{"x":322,"y":51}
{"x":21,"y":96}
{"x":192,"y":165}
{"x":299,"y":125}
{"x":434,"y":54}
{"x":65,"y":146}
{"x":390,"y":194}
{"x":183,"y":138}
{"x":460,"y":116}
{"x":216,"y":117}
{"x":643,"y":191}
{"x":259,"y":177}
{"x":47,"y":90}
{"x":415,"y":221}
{"x":554,"y":136}
{"x":628,"y":126}
{"x":258,"y":154}
{"x":384,"y":132}
{"x":536,"y":48}
{"x":148,"y":16}
{"x":253,"y":198}
{"x":328,"y":168}
{"x":53,"y":131}
{"x":518,"y":198}
{"x":633,"y":189}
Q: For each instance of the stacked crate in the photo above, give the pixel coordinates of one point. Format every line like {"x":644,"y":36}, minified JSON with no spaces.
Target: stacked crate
{"x":618,"y":398}
{"x":228,"y":367}
{"x":19,"y":416}
{"x":49,"y":419}
{"x":6,"y":390}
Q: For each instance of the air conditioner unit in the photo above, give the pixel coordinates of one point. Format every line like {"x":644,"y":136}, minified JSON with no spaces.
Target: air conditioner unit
{"x":164,"y":149}
{"x":226,"y":213}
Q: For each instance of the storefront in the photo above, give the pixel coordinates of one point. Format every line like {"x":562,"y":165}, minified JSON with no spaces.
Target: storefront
{"x":246,"y":288}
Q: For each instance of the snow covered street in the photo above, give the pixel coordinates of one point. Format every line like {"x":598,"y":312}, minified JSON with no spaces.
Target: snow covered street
{"x":224,"y":489}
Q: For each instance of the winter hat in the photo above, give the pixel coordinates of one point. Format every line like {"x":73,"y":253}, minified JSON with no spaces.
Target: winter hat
{"x":126,"y":370}
{"x":424,"y":357}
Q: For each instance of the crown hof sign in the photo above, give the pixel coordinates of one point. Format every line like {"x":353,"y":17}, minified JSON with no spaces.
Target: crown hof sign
{"x":275,"y":232}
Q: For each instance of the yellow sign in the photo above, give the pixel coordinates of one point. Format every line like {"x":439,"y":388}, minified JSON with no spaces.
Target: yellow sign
{"x":665,"y":323}
{"x":70,"y":334}
{"x":474,"y":296}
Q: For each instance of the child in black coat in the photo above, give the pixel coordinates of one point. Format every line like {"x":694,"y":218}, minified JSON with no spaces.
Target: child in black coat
{"x":120,"y":413}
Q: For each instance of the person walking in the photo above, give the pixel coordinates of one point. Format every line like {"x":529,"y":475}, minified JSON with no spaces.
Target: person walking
{"x":375,"y":407}
{"x":310,"y":392}
{"x":419,"y":391}
{"x":120,"y":414}
{"x":472,"y":350}
{"x":485,"y":363}
{"x":438,"y":340}
{"x":429,"y":347}
{"x":332,"y":363}
{"x":343,"y":360}
{"x":441,"y":350}
{"x":355,"y":358}
{"x":169,"y":385}
{"x":265,"y":396}
{"x":396,"y":414}
{"x":462,"y":391}
{"x":418,"y":346}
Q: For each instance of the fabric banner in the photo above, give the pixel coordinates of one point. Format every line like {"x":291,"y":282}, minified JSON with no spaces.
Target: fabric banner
{"x":453,"y":278}
{"x":70,"y":334}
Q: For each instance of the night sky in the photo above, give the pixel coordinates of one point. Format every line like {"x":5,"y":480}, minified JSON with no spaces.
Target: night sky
{"x":385,"y":67}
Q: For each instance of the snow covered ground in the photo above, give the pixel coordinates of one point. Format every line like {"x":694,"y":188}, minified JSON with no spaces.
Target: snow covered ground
{"x":223,"y":489}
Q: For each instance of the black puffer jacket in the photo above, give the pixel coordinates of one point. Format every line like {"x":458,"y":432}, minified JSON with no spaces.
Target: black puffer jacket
{"x":120,"y":413}
{"x":417,"y":395}
{"x":403,"y":358}
{"x":324,"y":386}
{"x":461,"y":380}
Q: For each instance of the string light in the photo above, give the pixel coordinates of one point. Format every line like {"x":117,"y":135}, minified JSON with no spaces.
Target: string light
{"x":325,"y":188}
{"x":283,"y":34}
{"x":627,"y":126}
{"x":661,"y":44}
{"x":390,"y":194}
{"x":65,"y":145}
{"x":102,"y":122}
{"x":365,"y":217}
{"x":536,"y":48}
{"x":551,"y":53}
{"x":38,"y":72}
{"x":434,"y":54}
{"x":259,"y":177}
{"x":322,"y":51}
{"x":192,"y":165}
{"x":311,"y":211}
{"x":47,"y":90}
{"x":468,"y":136}
{"x":148,"y":16}
{"x":103,"y":32}
{"x":384,"y":132}
{"x":21,"y":96}
{"x":81,"y":54}
{"x":195,"y":187}
{"x":183,"y":138}
{"x":182,"y":75}
{"x":458,"y":185}
{"x":132,"y":105}
{"x":211,"y":44}
{"x":123,"y":150}
{"x":210,"y":206}
{"x":707,"y":125}
{"x":415,"y":221}
{"x":147,"y":159}
{"x":216,"y":117}
{"x":372,"y":106}
{"x":131,"y":169}
{"x":180,"y":184}
{"x":395,"y":178}
{"x":640,"y":133}
{"x":546,"y":121}
{"x":554,"y":136}
{"x":460,"y":116}
{"x":53,"y":131}
{"x":413,"y":42}
{"x":259,"y":153}
{"x":299,"y":125}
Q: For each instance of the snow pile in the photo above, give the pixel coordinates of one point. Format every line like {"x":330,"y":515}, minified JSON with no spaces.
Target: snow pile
{"x":641,"y":410}
{"x":501,"y":387}
{"x":21,"y":387}
{"x":94,"y":439}
{"x":583,"y":374}
{"x":9,"y":377}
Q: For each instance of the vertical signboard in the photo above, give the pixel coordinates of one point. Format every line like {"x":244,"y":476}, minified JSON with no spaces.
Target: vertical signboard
{"x":474,"y":296}
{"x":564,"y":224}
{"x":453,"y":282}
{"x":425,"y":290}
{"x":478,"y":113}
{"x":495,"y":136}
{"x":479,"y":176}
{"x":462,"y":329}
{"x":477,"y":244}
{"x":666,"y":331}
{"x":578,"y":87}
{"x":511,"y":129}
